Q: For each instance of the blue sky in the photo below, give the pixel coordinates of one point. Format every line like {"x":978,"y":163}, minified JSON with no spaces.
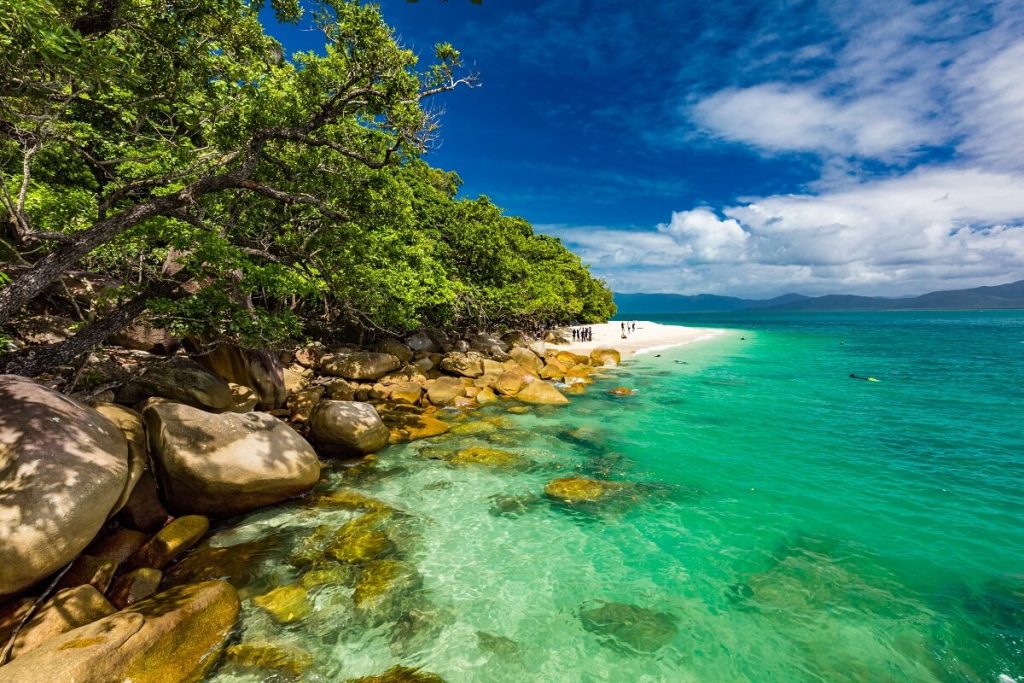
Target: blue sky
{"x":745,"y":148}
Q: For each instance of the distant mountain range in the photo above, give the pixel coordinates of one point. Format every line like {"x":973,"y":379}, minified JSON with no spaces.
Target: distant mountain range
{"x":1010,"y":295}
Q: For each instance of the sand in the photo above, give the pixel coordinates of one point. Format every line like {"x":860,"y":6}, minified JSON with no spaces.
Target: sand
{"x":646,"y":338}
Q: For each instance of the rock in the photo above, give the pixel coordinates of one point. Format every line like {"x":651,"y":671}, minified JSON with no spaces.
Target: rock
{"x":605,"y":357}
{"x":225,"y":464}
{"x":382,"y":582}
{"x":288,"y":660}
{"x":349,"y":499}
{"x":491,"y":457}
{"x":406,"y":392}
{"x":499,"y":645}
{"x":411,"y":427}
{"x":421,"y":341}
{"x":130,"y":424}
{"x":400,"y":674}
{"x":258,"y":369}
{"x":538,"y":347}
{"x":423,"y":365}
{"x":508,"y":383}
{"x":144,"y":511}
{"x":568,"y":359}
{"x":340,"y":390}
{"x":309,"y":356}
{"x":628,"y":626}
{"x":63,"y":468}
{"x":143,"y":337}
{"x":97,"y":572}
{"x":347,"y":429}
{"x":45,"y":329}
{"x":444,"y":390}
{"x":559,"y":336}
{"x":486,"y":396}
{"x":579,"y":374}
{"x":300,"y":404}
{"x":462,"y":364}
{"x":518,"y":410}
{"x":360,"y":365}
{"x":395,"y":348}
{"x":541,"y":393}
{"x":237,"y":564}
{"x":67,"y":610}
{"x":171,"y":541}
{"x":516,"y":338}
{"x":181,"y":380}
{"x":286,"y":604}
{"x":580,"y":489}
{"x":552,"y":371}
{"x":135,"y":586}
{"x":527,"y":359}
{"x":296,"y":378}
{"x":117,"y":547}
{"x":357,"y":542}
{"x":621,"y":391}
{"x":174,"y":637}
{"x":245,"y":399}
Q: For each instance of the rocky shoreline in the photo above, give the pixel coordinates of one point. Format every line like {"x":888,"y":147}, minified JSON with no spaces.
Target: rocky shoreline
{"x":106,"y":499}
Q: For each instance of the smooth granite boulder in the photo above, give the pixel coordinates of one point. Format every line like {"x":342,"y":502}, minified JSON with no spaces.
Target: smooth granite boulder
{"x":63,"y":468}
{"x":541,"y":393}
{"x":173,"y":637}
{"x":526,"y":358}
{"x":445,"y":390}
{"x":67,"y":610}
{"x":257,"y":369}
{"x":359,"y":365}
{"x":228,"y":463}
{"x":605,"y":357}
{"x":347,"y":429}
{"x":395,"y":348}
{"x":143,"y":337}
{"x":130,"y":424}
{"x":181,"y":380}
{"x":462,"y":364}
{"x":421,"y":341}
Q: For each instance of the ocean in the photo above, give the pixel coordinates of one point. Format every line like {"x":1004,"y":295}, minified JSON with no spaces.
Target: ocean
{"x":773,"y":519}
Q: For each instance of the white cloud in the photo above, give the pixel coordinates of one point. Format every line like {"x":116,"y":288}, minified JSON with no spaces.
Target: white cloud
{"x":935,"y":228}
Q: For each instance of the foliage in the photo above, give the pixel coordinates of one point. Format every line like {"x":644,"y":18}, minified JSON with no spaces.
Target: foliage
{"x":171,"y":147}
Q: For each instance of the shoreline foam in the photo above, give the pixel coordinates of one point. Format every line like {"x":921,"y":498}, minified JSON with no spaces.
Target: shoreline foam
{"x":648,"y":337}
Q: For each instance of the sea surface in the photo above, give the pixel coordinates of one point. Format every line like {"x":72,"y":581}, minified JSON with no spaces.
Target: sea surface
{"x":776,"y":521}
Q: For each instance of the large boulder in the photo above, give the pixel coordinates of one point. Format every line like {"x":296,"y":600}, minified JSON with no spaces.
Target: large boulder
{"x":173,"y":637}
{"x":394,"y":348}
{"x":359,"y":365}
{"x":489,"y":345}
{"x":421,"y":341}
{"x":257,"y":369}
{"x":463,"y":364}
{"x":143,"y":337}
{"x":445,"y":390}
{"x":541,"y":393}
{"x":68,"y":609}
{"x":224,"y":464}
{"x":130,"y":424}
{"x":347,"y":429}
{"x":181,"y":380}
{"x":526,"y":358}
{"x":605,"y":357}
{"x":63,"y":468}
{"x":508,"y":383}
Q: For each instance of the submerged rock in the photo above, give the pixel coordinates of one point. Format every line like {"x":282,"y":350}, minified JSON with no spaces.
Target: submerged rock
{"x":171,"y":541}
{"x":236,"y":564}
{"x":400,"y":674}
{"x":504,"y":505}
{"x":498,"y":645}
{"x":63,"y":469}
{"x":635,"y":628}
{"x":621,"y":391}
{"x":491,"y":457}
{"x":287,"y":659}
{"x":134,"y":586}
{"x":174,"y":637}
{"x":349,"y":499}
{"x":383,"y":583}
{"x":286,"y":604}
{"x":581,"y":489}
{"x":358,"y":544}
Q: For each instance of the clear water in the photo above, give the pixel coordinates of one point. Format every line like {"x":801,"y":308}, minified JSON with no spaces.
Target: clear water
{"x":795,"y":524}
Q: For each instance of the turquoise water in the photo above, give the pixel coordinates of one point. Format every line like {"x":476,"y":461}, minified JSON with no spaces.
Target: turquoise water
{"x":779,"y":522}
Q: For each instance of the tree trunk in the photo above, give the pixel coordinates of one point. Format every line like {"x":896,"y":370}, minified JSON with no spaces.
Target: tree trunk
{"x":39,"y":359}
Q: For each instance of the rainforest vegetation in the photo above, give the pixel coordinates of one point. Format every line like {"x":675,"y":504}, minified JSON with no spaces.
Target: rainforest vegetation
{"x":208,"y":182}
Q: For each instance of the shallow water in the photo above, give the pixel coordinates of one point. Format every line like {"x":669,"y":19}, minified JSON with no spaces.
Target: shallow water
{"x":779,"y":521}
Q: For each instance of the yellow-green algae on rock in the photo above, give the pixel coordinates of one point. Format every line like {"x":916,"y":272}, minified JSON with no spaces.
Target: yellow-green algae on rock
{"x":290,"y":661}
{"x":480,"y":455}
{"x":400,"y":674}
{"x":580,"y":489}
{"x":173,"y":637}
{"x":286,"y":604}
{"x":379,"y":579}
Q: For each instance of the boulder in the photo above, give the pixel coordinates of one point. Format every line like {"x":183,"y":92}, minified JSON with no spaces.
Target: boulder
{"x":359,"y":365}
{"x":245,"y":399}
{"x":526,"y":358}
{"x":605,"y":357}
{"x":444,"y":390}
{"x":45,"y":329}
{"x":130,"y":424}
{"x":541,"y":393}
{"x":169,"y":542}
{"x":569,"y":359}
{"x":181,"y":380}
{"x":516,"y":338}
{"x":118,"y":546}
{"x":309,"y":356}
{"x":490,"y":457}
{"x":135,"y":586}
{"x":286,"y":604}
{"x":486,"y":396}
{"x":143,"y":337}
{"x":489,"y":345}
{"x":296,"y":378}
{"x":508,"y":383}
{"x":97,"y":572}
{"x":407,"y":426}
{"x":395,"y":348}
{"x":405,"y":392}
{"x":423,"y":365}
{"x":347,"y":429}
{"x":621,"y":391}
{"x":554,"y":371}
{"x":63,"y":468}
{"x":258,"y":369}
{"x":225,"y":464}
{"x":144,"y":511}
{"x":421,"y":341}
{"x":559,"y":336}
{"x":580,"y":489}
{"x":462,"y":364}
{"x":340,"y":390}
{"x":67,"y":610}
{"x":173,"y":637}
{"x":301,"y":403}
{"x":538,"y":347}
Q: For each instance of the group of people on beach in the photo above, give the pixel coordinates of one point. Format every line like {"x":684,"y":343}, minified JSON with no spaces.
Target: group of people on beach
{"x":583,"y":334}
{"x":628,"y":328}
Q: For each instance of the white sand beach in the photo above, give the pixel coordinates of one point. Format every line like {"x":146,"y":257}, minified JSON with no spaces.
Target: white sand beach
{"x":645,"y":338}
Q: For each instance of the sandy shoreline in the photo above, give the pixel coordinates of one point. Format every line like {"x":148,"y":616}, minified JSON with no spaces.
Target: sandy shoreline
{"x":647,"y":337}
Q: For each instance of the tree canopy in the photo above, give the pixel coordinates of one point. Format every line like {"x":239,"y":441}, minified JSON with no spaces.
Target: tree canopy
{"x":232,"y":192}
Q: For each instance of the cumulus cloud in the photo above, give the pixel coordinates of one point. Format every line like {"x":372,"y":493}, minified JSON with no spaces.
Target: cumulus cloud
{"x":934,"y":228}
